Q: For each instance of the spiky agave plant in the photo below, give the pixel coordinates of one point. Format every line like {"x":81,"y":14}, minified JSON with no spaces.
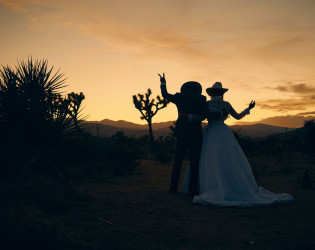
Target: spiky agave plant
{"x":31,"y":106}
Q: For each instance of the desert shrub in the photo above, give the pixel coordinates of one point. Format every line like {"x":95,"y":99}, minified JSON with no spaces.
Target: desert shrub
{"x":248,"y":144}
{"x":163,"y":149}
{"x":89,"y":156}
{"x":270,"y":145}
{"x":310,"y":135}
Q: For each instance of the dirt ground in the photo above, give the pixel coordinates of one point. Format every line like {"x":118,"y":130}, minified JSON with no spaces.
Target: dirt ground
{"x":136,"y":212}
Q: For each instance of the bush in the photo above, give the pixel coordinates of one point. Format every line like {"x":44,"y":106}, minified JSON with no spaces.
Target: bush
{"x":163,"y":149}
{"x":91,"y":157}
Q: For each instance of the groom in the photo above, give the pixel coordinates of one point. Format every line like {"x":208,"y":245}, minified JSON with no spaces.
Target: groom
{"x":188,"y":131}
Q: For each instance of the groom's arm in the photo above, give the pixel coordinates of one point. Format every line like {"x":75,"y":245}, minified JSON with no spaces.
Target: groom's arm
{"x":165,"y":94}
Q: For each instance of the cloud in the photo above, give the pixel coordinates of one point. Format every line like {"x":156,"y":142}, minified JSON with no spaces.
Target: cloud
{"x":289,"y":121}
{"x":307,"y":113}
{"x":286,"y":48}
{"x":175,"y":30}
{"x":286,"y":105}
{"x":302,"y":93}
{"x":13,"y":5}
{"x":297,"y":88}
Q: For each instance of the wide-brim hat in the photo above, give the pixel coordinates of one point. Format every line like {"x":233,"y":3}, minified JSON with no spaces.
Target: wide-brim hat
{"x":216,"y":89}
{"x":191,"y":85}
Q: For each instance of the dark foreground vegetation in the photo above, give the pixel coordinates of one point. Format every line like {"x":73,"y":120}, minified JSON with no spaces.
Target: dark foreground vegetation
{"x":61,"y":188}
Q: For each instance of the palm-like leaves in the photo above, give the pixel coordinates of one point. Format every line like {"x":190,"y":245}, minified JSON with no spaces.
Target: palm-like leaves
{"x":38,"y":75}
{"x":31,"y":106}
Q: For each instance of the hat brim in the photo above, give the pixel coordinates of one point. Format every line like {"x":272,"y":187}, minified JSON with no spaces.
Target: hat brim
{"x":216,"y":91}
{"x":195,"y":86}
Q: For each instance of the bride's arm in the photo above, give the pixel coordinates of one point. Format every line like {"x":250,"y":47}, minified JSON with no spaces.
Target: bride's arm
{"x":239,"y":116}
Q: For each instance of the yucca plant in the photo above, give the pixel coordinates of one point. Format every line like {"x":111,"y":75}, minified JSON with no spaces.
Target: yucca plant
{"x":31,"y":106}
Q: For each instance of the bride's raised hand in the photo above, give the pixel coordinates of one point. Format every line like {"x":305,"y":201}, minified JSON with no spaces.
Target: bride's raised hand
{"x":251,"y":105}
{"x":162,"y":78}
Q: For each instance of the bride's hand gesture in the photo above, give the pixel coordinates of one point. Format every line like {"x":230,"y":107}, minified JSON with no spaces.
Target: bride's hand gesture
{"x":251,"y":105}
{"x":162,"y":79}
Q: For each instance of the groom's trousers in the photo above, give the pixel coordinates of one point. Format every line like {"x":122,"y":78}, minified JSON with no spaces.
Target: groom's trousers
{"x":194,"y":145}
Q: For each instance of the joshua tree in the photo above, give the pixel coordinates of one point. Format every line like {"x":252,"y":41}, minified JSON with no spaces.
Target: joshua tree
{"x":75,"y":101}
{"x":148,"y":108}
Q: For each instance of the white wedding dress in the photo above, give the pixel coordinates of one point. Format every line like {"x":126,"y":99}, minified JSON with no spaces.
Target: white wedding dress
{"x":225,"y":176}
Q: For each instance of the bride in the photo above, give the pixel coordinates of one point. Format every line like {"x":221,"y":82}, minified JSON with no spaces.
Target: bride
{"x":225,"y":176}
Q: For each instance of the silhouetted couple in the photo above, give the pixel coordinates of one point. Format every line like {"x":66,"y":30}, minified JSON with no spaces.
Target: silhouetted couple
{"x":219,"y":173}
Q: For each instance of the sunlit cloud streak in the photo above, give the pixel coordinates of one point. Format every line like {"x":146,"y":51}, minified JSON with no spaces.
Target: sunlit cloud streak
{"x":13,"y":5}
{"x":307,"y":113}
{"x":286,"y":105}
{"x":297,"y":88}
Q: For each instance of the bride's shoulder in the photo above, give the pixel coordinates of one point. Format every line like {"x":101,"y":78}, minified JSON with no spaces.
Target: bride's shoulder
{"x":218,"y":102}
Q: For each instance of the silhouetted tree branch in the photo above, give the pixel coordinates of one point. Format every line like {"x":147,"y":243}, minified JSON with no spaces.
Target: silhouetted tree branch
{"x":75,"y":101}
{"x":148,"y":108}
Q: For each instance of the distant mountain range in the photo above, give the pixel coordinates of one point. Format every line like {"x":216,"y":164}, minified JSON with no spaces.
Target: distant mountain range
{"x":108,"y":127}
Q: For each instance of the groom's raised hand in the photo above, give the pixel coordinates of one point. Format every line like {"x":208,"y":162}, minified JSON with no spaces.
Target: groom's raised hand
{"x":162,"y":79}
{"x":251,"y":105}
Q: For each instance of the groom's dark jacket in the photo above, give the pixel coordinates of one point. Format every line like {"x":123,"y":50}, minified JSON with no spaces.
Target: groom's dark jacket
{"x":190,"y":103}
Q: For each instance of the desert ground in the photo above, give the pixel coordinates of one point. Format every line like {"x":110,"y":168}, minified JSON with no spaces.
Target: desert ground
{"x":136,"y":212}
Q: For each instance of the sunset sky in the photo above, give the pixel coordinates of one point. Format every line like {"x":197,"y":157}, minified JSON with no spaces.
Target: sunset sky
{"x":111,"y":50}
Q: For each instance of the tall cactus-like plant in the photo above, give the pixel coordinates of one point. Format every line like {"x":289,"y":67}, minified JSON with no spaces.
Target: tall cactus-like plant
{"x":75,"y":101}
{"x":148,"y":108}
